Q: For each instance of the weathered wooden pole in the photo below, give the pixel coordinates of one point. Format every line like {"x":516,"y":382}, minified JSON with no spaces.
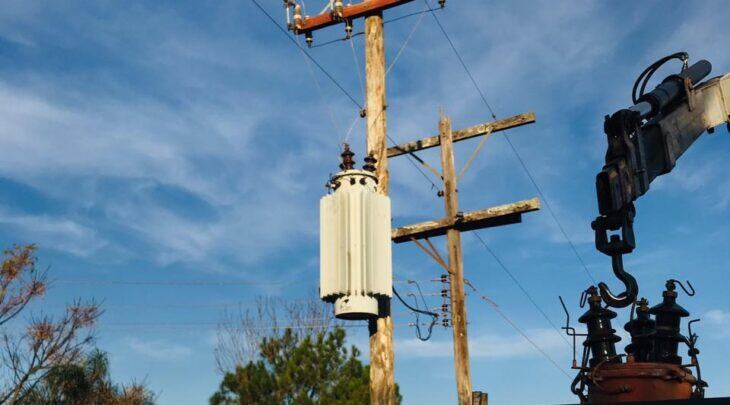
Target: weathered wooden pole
{"x":382,"y":382}
{"x":456,"y":266}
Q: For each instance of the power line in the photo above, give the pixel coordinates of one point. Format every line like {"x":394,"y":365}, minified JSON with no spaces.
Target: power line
{"x":550,"y":209}
{"x":512,"y":147}
{"x":228,"y":283}
{"x":514,"y":326}
{"x":461,"y":60}
{"x":405,"y":44}
{"x":519,"y":285}
{"x":320,"y":91}
{"x":357,"y":34}
{"x":293,"y":41}
{"x":123,"y":326}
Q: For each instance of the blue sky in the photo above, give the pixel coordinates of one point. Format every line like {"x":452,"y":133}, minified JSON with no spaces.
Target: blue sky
{"x":185,"y":141}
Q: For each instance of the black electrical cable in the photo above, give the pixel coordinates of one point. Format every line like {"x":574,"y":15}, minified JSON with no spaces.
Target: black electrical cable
{"x":646,"y":75}
{"x":418,"y":287}
{"x":434,"y":316}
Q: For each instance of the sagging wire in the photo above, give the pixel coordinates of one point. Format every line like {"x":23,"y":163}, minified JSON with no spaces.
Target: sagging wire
{"x":434,"y":316}
{"x":403,"y":47}
{"x":352,"y":126}
{"x":517,"y":328}
{"x":357,"y":69}
{"x":512,"y":147}
{"x":321,"y":95}
{"x":293,"y":41}
{"x":519,"y":285}
{"x":357,"y":34}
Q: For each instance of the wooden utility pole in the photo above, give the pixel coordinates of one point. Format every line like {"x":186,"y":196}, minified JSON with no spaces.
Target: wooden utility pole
{"x":382,"y":381}
{"x":453,"y":224}
{"x":456,"y":266}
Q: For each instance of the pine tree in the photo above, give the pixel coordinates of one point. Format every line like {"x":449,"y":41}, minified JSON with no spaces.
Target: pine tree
{"x":314,"y":369}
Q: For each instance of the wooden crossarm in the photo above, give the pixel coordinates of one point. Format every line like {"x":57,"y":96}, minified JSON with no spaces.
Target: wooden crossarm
{"x":353,"y":11}
{"x":486,"y":218}
{"x":462,"y":134}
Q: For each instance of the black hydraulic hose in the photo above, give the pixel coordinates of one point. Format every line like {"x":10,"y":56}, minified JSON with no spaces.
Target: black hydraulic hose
{"x":673,"y":87}
{"x":650,"y":70}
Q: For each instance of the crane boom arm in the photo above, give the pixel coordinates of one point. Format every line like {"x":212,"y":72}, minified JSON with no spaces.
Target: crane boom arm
{"x":706,"y":107}
{"x":639,"y":151}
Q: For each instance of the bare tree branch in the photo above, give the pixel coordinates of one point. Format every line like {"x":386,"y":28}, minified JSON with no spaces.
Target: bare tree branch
{"x":20,"y":281}
{"x":28,"y":355}
{"x":240,"y":333}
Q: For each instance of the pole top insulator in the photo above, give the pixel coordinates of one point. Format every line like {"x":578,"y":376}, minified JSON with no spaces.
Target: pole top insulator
{"x":370,"y":163}
{"x":348,"y":163}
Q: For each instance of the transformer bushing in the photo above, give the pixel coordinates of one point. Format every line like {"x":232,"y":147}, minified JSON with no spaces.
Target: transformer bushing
{"x":668,"y":316}
{"x":601,"y":337}
{"x":642,"y":329}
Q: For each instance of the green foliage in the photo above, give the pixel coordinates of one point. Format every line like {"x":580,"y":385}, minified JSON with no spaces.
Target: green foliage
{"x":315,"y":369}
{"x":86,"y":382}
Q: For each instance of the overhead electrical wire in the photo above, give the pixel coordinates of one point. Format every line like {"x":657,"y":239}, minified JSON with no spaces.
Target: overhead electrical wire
{"x":405,"y":43}
{"x":293,"y":41}
{"x":331,"y":113}
{"x":519,"y":285}
{"x":227,"y":283}
{"x":514,"y":326}
{"x":484,"y":100}
{"x":126,"y":326}
{"x":389,"y":68}
{"x":357,"y":34}
{"x":511,"y":145}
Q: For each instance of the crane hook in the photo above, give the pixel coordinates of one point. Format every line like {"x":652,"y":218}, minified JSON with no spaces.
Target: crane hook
{"x":625,"y":298}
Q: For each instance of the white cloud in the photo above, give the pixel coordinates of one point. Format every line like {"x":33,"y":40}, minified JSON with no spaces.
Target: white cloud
{"x":485,"y":345}
{"x":56,"y":233}
{"x":159,"y":349}
{"x":718,"y":321}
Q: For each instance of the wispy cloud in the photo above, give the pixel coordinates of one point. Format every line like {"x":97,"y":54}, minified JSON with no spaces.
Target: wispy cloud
{"x":51,"y":232}
{"x":719,"y":321}
{"x":158,"y":349}
{"x":485,"y":345}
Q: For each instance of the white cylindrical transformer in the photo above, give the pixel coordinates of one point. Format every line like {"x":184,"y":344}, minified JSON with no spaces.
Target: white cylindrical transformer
{"x":355,"y":246}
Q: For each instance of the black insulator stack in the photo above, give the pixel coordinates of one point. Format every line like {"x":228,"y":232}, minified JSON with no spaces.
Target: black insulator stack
{"x":348,"y":163}
{"x":601,"y":337}
{"x":668,"y":316}
{"x":369,"y":163}
{"x":642,"y":329}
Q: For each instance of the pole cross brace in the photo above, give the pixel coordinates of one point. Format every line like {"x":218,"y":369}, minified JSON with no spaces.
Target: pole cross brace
{"x":496,"y":216}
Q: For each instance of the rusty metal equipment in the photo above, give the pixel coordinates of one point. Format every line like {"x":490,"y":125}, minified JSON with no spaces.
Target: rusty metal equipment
{"x":652,"y":370}
{"x":633,"y":382}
